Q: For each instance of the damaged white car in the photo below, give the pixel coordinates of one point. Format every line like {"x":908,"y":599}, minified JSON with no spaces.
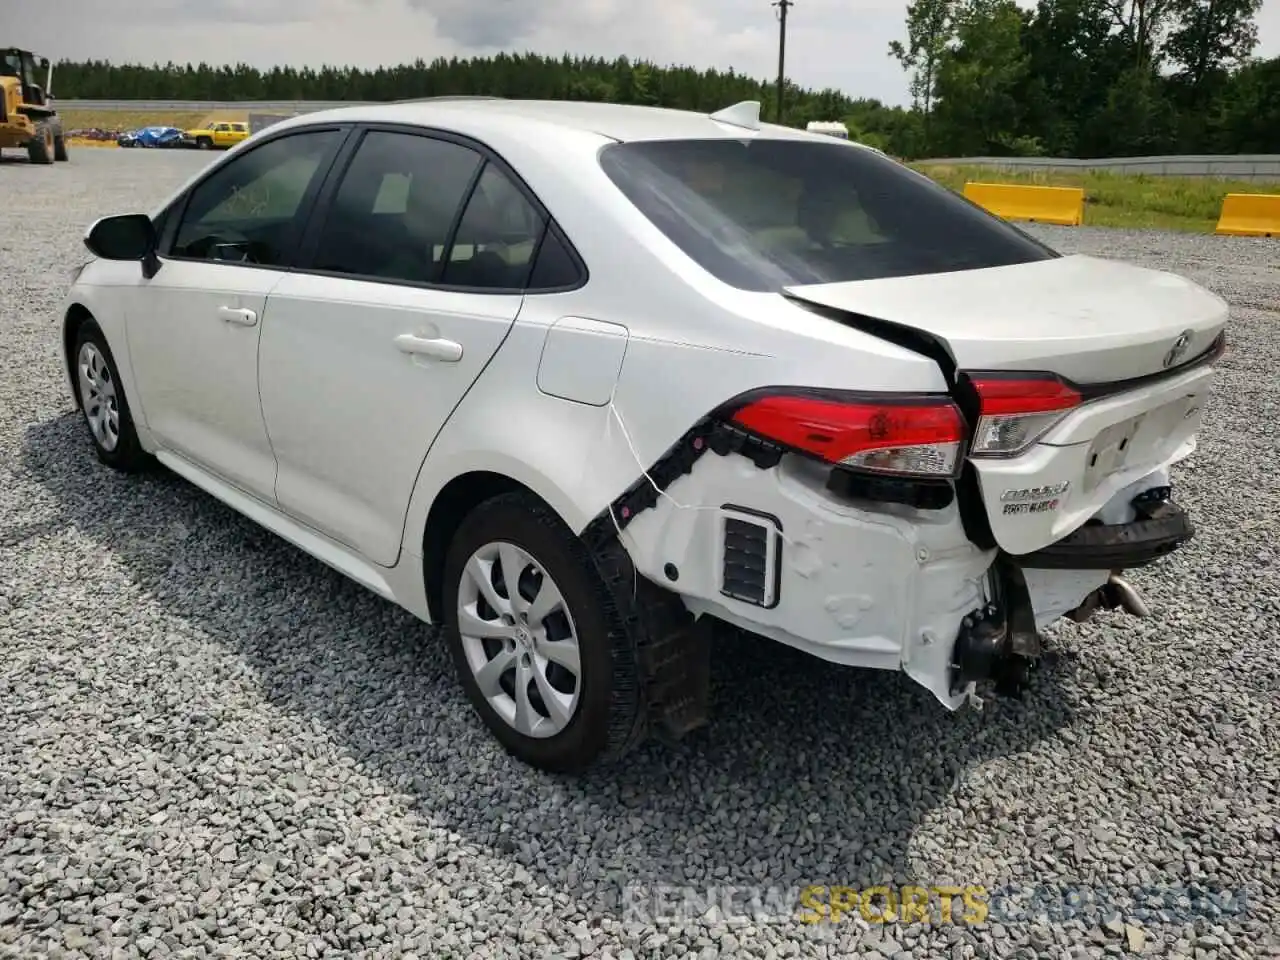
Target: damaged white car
{"x":580,"y":381}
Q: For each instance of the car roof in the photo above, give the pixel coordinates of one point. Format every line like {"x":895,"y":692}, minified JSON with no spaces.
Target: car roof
{"x":616,"y":121}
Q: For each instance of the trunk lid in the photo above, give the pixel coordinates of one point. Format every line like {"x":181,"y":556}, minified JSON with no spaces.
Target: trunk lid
{"x":1090,"y":321}
{"x":1084,"y":318}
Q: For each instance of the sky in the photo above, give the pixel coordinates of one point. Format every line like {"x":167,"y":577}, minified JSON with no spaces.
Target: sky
{"x":835,"y":43}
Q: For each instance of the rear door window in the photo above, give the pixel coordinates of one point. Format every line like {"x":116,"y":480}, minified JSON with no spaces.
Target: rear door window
{"x":497,"y":236}
{"x":392,"y":214}
{"x":767,"y":214}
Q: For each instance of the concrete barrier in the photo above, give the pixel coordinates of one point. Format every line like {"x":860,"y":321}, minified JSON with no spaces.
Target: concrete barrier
{"x":1250,"y":215}
{"x":1060,"y":205}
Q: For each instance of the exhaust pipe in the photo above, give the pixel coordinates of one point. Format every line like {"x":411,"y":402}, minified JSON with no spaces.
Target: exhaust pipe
{"x":1126,"y":596}
{"x":1116,"y":593}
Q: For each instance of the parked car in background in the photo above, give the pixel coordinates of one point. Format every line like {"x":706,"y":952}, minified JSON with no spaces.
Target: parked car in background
{"x":582,"y":381}
{"x":151,"y":137}
{"x":218,"y":136}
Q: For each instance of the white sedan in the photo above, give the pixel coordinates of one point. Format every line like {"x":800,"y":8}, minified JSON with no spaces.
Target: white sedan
{"x":580,"y":382}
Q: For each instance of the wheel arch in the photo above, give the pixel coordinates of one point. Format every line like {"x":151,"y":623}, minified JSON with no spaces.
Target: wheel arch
{"x":449,"y":508}
{"x":77,"y":314}
{"x":102,"y":305}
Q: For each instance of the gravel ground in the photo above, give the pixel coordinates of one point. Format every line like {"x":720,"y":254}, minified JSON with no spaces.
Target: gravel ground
{"x":211,"y":745}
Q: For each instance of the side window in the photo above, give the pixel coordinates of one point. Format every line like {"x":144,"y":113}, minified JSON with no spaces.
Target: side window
{"x":391,"y":215}
{"x":555,"y":268}
{"x":247,"y":211}
{"x":497,"y":236}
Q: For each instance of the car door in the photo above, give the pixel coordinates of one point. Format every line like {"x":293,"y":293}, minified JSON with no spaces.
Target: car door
{"x":193,"y":327}
{"x":370,"y":346}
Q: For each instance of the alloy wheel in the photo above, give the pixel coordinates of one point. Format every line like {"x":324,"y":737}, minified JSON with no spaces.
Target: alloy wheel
{"x":98,"y":396}
{"x":519,"y":640}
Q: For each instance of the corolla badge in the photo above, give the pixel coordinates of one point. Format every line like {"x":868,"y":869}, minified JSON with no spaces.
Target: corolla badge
{"x":1179,"y":348}
{"x":1023,"y":500}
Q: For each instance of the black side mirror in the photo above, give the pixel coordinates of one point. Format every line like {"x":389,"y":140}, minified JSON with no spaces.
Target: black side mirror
{"x":130,"y":236}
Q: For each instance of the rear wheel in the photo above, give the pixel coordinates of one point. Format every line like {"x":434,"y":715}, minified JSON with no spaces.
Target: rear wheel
{"x":103,"y":403}
{"x":60,"y":148}
{"x":537,"y":642}
{"x":40,"y":148}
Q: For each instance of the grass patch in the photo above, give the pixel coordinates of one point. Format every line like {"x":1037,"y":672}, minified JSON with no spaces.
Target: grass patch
{"x":132,"y":119}
{"x":1121,"y":200}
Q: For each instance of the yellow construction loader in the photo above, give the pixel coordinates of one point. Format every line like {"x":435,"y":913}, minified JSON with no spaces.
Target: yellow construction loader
{"x":28,"y":118}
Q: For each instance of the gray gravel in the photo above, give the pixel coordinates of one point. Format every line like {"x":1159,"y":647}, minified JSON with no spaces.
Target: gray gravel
{"x":211,"y":745}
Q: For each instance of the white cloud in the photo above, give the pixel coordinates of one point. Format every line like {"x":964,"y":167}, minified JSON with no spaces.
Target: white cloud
{"x":837,"y":43}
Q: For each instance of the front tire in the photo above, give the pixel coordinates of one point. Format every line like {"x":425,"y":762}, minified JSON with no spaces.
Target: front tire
{"x":40,"y":149}
{"x":103,"y":403}
{"x":60,"y":149}
{"x":539,"y":646}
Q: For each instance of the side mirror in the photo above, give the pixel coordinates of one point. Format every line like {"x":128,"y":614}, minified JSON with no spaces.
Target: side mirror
{"x":44,"y":63}
{"x":130,"y":236}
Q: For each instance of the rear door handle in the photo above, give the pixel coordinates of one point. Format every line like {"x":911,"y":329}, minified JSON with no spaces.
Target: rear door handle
{"x":238,"y":315}
{"x":438,"y":349}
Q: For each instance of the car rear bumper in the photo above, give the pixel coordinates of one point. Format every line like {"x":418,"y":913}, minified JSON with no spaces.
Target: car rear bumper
{"x":889,"y":587}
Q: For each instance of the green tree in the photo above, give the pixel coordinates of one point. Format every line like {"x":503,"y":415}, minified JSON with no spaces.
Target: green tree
{"x":930,"y":28}
{"x":1210,"y":36}
{"x":1247,"y":117}
{"x":1074,"y":58}
{"x":980,"y":79}
{"x":1142,"y":24}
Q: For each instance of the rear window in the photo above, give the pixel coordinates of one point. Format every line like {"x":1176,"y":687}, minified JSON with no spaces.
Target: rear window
{"x":766,"y":214}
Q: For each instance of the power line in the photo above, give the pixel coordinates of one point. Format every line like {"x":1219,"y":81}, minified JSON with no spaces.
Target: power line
{"x":783,"y":6}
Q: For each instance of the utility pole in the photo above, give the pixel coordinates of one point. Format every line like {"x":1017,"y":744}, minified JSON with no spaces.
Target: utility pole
{"x":783,"y":6}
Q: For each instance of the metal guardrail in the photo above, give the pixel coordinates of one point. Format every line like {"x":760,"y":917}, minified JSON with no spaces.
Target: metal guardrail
{"x":1257,"y":166}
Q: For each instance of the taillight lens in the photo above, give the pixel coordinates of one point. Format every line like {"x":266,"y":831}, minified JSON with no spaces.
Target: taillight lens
{"x":1016,"y":411}
{"x":916,"y":436}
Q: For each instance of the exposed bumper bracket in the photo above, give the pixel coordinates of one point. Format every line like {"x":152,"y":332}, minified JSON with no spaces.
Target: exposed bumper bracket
{"x":998,"y":642}
{"x":1161,"y":527}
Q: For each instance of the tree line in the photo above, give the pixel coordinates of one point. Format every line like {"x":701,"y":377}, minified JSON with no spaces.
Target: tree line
{"x":1070,"y":78}
{"x":1089,"y":78}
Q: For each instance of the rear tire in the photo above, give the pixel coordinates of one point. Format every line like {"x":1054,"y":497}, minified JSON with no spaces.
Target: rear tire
{"x":40,"y":148}
{"x":103,"y":403}
{"x":565,"y":721}
{"x":60,"y":149}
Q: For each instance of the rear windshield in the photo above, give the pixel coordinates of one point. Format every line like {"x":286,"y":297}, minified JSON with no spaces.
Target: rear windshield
{"x":767,"y":214}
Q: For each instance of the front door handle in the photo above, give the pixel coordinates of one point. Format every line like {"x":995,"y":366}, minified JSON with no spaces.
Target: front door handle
{"x":437,"y":349}
{"x":238,"y":315}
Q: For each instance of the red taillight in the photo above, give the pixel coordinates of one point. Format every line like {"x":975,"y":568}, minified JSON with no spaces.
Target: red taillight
{"x":1016,"y":411}
{"x":910,"y":437}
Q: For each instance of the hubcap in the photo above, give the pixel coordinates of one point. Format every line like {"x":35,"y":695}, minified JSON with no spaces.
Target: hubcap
{"x":519,"y":639}
{"x":98,"y":397}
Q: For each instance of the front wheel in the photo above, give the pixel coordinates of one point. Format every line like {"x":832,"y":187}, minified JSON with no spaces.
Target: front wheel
{"x":103,"y":403}
{"x":40,"y":148}
{"x":539,"y":647}
{"x":60,"y":149}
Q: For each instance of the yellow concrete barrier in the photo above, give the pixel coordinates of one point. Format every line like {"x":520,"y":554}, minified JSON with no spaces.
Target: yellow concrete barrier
{"x":85,"y":142}
{"x":1015,"y":201}
{"x":1250,"y":215}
